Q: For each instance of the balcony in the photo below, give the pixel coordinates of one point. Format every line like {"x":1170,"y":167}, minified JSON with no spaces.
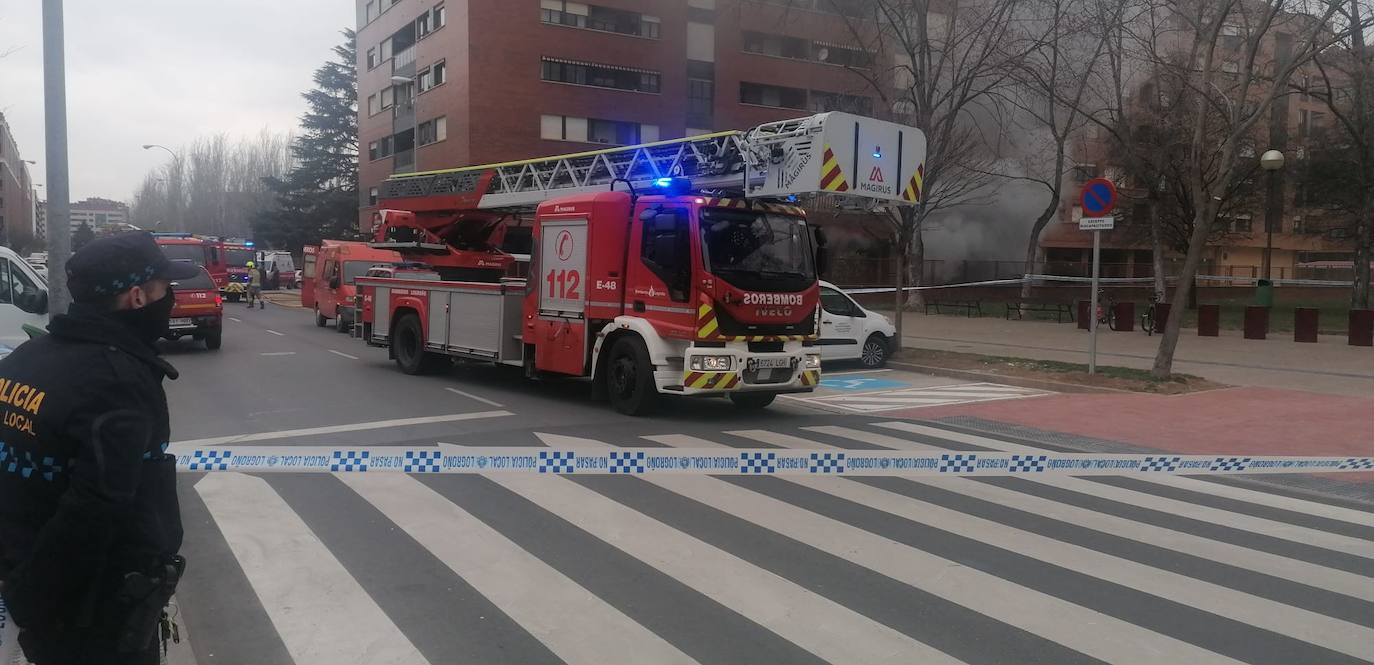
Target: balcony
{"x":403,"y":62}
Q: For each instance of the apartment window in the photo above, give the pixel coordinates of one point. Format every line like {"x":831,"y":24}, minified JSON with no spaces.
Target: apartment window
{"x":761,"y":94}
{"x":425,"y":80}
{"x":433,"y":131}
{"x":372,"y":108}
{"x":592,"y":130}
{"x":605,"y":19}
{"x":821,"y":102}
{"x":1309,"y":123}
{"x":1243,"y":224}
{"x":1230,"y":67}
{"x":604,"y":76}
{"x":374,"y":151}
{"x":440,"y":17}
{"x":1084,"y":173}
{"x":372,"y":57}
{"x":388,"y":98}
{"x":372,"y":196}
{"x":777,"y":45}
{"x":440,"y":72}
{"x":701,"y":97}
{"x":371,"y":12}
{"x":422,"y":25}
{"x":560,"y":12}
{"x":841,"y":55}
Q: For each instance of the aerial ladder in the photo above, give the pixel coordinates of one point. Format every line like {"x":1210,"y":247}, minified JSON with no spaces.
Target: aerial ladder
{"x":455,"y":220}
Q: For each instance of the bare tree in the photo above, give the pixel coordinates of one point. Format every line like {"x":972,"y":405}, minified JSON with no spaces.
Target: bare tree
{"x":1240,"y":56}
{"x":1346,"y":85}
{"x":213,"y":186}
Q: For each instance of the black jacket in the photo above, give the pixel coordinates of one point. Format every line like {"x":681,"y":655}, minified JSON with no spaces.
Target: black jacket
{"x":87,"y":492}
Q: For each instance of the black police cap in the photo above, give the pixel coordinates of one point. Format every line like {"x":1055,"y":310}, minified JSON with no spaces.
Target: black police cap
{"x":112,"y":264}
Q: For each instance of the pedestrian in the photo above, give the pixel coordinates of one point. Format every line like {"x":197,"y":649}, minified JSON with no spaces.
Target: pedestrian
{"x":89,"y":521}
{"x":254,"y":286}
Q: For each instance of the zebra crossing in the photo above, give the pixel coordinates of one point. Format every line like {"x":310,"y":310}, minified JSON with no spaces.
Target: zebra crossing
{"x":906,"y":398}
{"x":392,"y":568}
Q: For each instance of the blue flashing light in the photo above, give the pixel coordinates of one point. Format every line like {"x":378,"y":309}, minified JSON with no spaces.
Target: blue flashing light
{"x":248,"y":243}
{"x":877,"y":154}
{"x":663,"y":182}
{"x":673,"y":186}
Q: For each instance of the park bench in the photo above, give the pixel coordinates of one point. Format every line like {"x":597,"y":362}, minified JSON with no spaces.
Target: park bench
{"x":969,"y":307}
{"x":1059,"y":309}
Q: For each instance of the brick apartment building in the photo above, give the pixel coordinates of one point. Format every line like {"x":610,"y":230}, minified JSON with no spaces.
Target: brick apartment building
{"x":1311,"y":240}
{"x":442,"y":85}
{"x":17,"y":197}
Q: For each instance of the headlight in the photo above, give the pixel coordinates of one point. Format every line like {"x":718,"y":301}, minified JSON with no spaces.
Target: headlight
{"x":711,"y":363}
{"x":813,"y":362}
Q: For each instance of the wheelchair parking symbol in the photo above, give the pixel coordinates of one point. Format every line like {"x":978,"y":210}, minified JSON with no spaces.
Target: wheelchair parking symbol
{"x":860,"y":383}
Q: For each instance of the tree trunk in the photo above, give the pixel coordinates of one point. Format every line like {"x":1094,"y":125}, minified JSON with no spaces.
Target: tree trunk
{"x":1168,"y":342}
{"x":916,"y":268}
{"x":1161,"y":282}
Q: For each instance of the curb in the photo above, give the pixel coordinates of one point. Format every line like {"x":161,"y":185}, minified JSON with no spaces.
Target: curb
{"x":1020,"y":382}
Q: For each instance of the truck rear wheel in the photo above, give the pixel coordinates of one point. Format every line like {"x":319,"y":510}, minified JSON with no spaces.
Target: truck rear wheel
{"x":214,"y":338}
{"x":339,"y":324}
{"x":752,"y":401}
{"x":630,"y":378}
{"x":408,"y":344}
{"x":319,"y":318}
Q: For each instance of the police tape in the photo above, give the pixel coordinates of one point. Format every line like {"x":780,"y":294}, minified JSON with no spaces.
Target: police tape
{"x":1109,"y":281}
{"x":736,"y":461}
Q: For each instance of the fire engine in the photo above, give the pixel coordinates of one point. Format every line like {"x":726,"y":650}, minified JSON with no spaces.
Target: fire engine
{"x":677,"y":267}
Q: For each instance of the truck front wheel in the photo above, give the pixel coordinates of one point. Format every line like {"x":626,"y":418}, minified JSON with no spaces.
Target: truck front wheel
{"x":630,"y":378}
{"x":752,"y":401}
{"x":409,"y":347}
{"x":319,"y":318}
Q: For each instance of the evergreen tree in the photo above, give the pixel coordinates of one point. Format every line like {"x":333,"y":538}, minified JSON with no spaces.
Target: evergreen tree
{"x":81,"y":236}
{"x":319,"y":197}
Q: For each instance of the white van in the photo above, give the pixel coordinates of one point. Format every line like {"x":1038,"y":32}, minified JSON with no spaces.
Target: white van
{"x":850,"y":332}
{"x":23,"y":298}
{"x":281,"y":271}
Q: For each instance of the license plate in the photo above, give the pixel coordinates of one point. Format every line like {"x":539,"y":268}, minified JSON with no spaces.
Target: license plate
{"x":770,"y":363}
{"x":181,"y":323}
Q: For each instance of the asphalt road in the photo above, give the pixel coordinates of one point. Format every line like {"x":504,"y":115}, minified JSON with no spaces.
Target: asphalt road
{"x":389,"y":568}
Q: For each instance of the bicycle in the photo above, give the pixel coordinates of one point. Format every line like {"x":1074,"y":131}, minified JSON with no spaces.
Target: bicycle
{"x":1106,"y":309}
{"x":1147,"y":319}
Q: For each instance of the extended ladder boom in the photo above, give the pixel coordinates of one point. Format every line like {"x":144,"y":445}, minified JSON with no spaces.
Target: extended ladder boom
{"x":835,"y":153}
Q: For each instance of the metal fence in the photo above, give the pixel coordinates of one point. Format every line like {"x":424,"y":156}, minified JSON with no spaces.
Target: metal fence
{"x":864,"y":271}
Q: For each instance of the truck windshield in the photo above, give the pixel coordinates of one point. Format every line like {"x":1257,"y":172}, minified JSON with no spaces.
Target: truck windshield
{"x":195,"y":253}
{"x":757,"y":250}
{"x":238,"y":257}
{"x":355,"y":269}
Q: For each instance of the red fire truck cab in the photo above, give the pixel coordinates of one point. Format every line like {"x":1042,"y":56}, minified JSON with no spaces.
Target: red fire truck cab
{"x":678,"y":295}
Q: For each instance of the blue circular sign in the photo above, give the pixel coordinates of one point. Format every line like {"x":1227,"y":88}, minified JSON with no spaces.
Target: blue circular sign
{"x":1098,"y":198}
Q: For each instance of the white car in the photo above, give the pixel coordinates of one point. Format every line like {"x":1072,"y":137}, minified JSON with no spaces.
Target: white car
{"x":850,"y":332}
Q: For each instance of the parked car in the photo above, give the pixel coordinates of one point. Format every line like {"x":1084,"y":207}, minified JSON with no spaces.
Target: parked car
{"x":850,"y":332}
{"x":198,"y":312}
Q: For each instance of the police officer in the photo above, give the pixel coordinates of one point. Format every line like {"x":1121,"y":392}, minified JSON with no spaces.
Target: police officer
{"x":89,"y":520}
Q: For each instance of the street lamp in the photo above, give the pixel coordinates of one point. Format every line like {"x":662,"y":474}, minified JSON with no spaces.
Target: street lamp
{"x":150,"y":146}
{"x":1271,"y":161}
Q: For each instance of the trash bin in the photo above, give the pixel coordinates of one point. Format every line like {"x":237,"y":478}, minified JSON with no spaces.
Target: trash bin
{"x":1362,"y":327}
{"x":1085,"y":317}
{"x":1125,"y":316}
{"x":1306,"y":324}
{"x":1208,"y":320}
{"x":1264,"y":293}
{"x":1256,"y":322}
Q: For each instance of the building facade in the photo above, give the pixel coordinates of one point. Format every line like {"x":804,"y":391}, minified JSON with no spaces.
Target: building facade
{"x":98,"y":213}
{"x":1311,"y":238}
{"x":17,"y":198}
{"x":442,"y":85}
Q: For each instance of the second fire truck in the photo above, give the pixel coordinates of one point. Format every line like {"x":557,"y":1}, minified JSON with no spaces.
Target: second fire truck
{"x":672,"y":268}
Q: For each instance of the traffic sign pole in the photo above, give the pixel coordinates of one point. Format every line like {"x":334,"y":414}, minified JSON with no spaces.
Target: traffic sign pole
{"x":1092,"y":311}
{"x":1096,"y":201}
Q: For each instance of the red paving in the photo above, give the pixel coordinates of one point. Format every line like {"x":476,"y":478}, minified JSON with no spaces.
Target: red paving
{"x":1233,"y":421}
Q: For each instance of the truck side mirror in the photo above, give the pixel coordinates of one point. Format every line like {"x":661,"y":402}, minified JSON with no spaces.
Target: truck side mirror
{"x":35,"y":303}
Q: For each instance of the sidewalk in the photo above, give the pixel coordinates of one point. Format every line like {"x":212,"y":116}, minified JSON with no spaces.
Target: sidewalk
{"x":1329,"y":366}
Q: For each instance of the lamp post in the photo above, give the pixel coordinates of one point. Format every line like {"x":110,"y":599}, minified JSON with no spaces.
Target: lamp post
{"x":1271,"y":161}
{"x":173,"y":197}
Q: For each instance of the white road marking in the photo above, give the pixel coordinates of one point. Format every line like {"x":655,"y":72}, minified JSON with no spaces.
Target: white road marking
{"x":1037,"y":612}
{"x":235,"y":320}
{"x":1272,"y":500}
{"x":579,"y":627}
{"x":813,"y":622}
{"x":1272,"y":528}
{"x":273,"y":332}
{"x":334,"y":429}
{"x":319,"y":610}
{"x":345,"y":355}
{"x":892,"y":399}
{"x":279,"y":353}
{"x":474,"y":397}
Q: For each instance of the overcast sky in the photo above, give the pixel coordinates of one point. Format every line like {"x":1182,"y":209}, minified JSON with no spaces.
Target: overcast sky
{"x":161,"y":71}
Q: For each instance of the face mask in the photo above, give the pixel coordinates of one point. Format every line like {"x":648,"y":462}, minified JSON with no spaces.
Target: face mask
{"x":150,"y":321}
